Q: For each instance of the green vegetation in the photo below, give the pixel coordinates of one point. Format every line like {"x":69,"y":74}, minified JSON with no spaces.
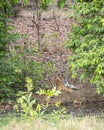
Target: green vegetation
{"x":6,"y":118}
{"x":26,"y":103}
{"x":71,"y":124}
{"x":87,"y":43}
{"x":21,"y":76}
{"x":15,"y":68}
{"x":6,"y":38}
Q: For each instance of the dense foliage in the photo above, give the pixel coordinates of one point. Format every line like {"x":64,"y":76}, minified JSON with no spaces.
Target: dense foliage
{"x":87,"y":42}
{"x":5,"y":40}
{"x":14,"y":68}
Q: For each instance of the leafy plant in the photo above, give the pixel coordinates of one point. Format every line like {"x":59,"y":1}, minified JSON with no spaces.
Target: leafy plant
{"x":86,"y":42}
{"x":44,"y":4}
{"x":6,"y":38}
{"x":61,"y":3}
{"x":5,"y":28}
{"x":26,"y":103}
{"x":25,"y":99}
{"x":15,"y":68}
{"x":49,"y":94}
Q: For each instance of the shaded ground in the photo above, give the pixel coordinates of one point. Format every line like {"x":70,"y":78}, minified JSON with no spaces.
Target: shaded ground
{"x":53,"y":50}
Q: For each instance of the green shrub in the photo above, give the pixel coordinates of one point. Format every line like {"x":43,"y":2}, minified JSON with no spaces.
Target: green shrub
{"x":15,"y":63}
{"x":14,"y":69}
{"x":6,"y":38}
{"x":26,"y":102}
{"x":87,"y":43}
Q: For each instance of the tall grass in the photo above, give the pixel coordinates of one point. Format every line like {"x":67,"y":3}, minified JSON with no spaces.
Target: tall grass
{"x":86,"y":123}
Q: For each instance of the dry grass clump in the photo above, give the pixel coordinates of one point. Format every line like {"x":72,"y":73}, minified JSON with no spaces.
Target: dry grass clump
{"x":86,"y":123}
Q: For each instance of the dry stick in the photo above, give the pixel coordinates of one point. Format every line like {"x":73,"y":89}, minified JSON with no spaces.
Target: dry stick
{"x":37,"y":22}
{"x":57,"y":24}
{"x":24,"y":58}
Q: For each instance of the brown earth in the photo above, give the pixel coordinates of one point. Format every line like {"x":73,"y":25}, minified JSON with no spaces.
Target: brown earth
{"x":53,"y":50}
